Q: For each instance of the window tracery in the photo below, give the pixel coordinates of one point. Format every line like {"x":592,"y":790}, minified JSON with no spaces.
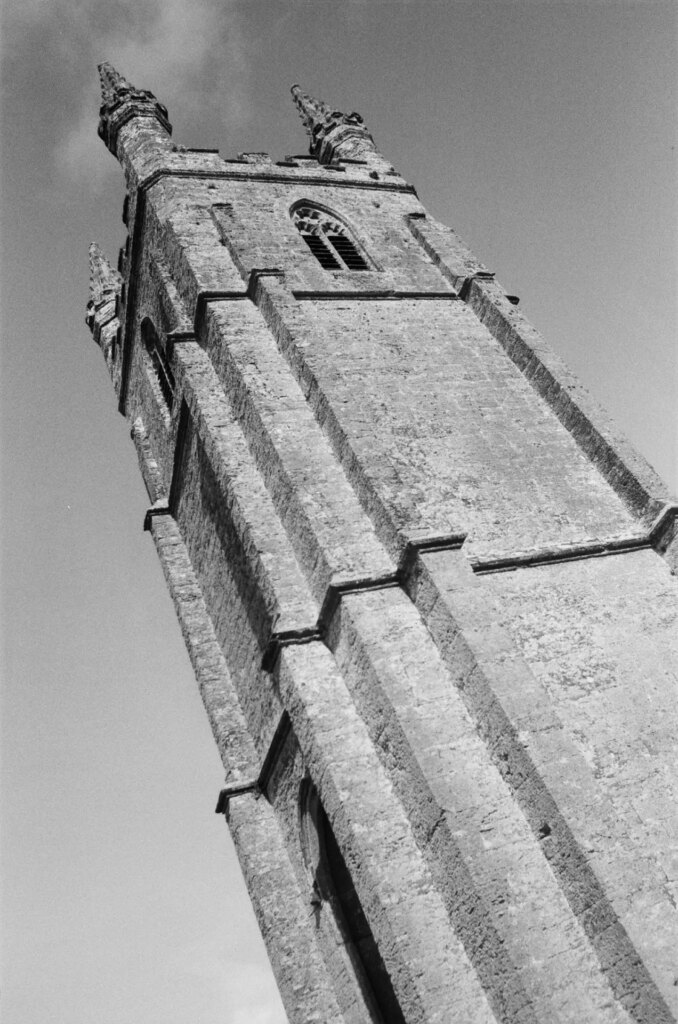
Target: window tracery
{"x":328,"y":239}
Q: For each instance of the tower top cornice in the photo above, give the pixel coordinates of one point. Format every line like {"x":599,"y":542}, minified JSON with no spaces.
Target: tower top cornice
{"x":121,"y":101}
{"x":332,"y":134}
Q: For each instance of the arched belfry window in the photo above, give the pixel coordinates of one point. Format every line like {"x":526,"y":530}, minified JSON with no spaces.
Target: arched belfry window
{"x":333,"y":892}
{"x":328,"y":239}
{"x":159,"y":362}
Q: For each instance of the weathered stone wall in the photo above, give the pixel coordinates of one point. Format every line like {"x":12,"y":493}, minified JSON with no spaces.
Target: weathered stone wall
{"x":490,"y":630}
{"x":417,"y":572}
{"x":446,"y":431}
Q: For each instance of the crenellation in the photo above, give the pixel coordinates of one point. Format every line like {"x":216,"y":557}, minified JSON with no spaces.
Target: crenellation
{"x":255,"y":158}
{"x":418,"y":575}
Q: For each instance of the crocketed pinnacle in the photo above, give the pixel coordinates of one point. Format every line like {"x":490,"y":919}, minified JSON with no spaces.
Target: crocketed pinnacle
{"x":121,"y":101}
{"x":102,"y":278}
{"x":326,"y":127}
{"x":315,"y":113}
{"x":113,"y":85}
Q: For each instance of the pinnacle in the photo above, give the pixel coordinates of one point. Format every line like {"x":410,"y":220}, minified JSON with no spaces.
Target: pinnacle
{"x":318,"y":117}
{"x":313,"y":112}
{"x":332,"y":133}
{"x":120,"y":101}
{"x":102,"y":277}
{"x":112,"y":83}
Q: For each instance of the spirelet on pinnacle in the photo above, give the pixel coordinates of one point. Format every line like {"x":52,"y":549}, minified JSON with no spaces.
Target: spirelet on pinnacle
{"x":105,"y":285}
{"x":334,"y":135}
{"x":103,"y":279}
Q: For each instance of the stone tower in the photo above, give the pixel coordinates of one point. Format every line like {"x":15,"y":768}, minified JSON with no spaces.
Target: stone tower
{"x":426,"y":588}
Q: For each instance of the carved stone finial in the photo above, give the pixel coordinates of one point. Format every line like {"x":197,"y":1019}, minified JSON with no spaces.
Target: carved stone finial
{"x":315,"y":113}
{"x":121,"y":101}
{"x":103,"y":280}
{"x":113,"y":84}
{"x":332,"y":134}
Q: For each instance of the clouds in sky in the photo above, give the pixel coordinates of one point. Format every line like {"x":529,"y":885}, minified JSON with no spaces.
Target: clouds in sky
{"x":193,"y":56}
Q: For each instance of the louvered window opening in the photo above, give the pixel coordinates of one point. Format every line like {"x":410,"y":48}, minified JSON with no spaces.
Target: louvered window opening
{"x":160,"y":364}
{"x":322,"y":252}
{"x":328,"y":240}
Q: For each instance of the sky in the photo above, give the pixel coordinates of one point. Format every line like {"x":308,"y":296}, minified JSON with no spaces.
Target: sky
{"x":544,"y":132}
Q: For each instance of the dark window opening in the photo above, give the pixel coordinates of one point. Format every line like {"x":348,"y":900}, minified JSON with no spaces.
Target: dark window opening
{"x":159,"y":362}
{"x":321,"y":252}
{"x":333,"y":885}
{"x":348,"y":252}
{"x":328,"y":239}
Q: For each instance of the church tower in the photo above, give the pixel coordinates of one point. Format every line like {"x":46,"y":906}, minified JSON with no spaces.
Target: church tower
{"x":427,"y":589}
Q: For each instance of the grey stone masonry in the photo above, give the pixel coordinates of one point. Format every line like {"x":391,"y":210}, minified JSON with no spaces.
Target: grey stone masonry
{"x":428,"y":591}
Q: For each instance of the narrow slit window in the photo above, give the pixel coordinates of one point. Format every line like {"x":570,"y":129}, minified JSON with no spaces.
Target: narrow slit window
{"x":159,"y":362}
{"x":328,"y":239}
{"x":333,"y":888}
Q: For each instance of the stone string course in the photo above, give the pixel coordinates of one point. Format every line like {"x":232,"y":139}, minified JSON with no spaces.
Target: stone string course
{"x":418,"y":574}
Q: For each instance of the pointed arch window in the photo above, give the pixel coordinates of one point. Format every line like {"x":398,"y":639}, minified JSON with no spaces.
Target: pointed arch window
{"x":159,"y":362}
{"x":328,"y":239}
